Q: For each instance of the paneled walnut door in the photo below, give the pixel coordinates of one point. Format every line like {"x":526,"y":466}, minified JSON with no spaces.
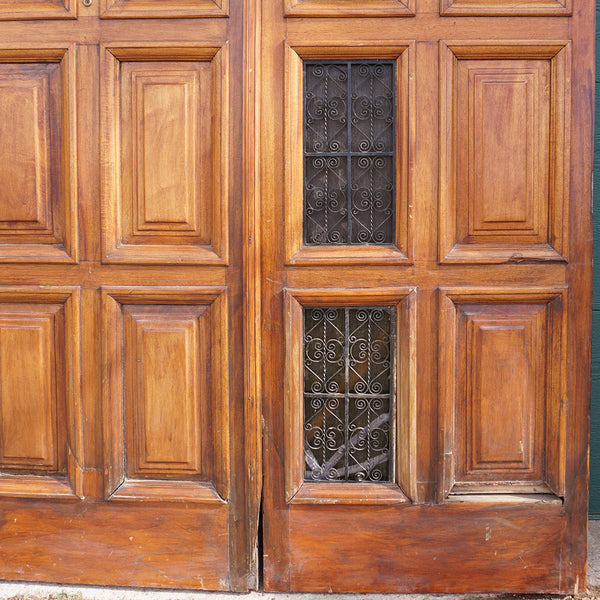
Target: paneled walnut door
{"x":426,"y":294}
{"x":121,"y":320}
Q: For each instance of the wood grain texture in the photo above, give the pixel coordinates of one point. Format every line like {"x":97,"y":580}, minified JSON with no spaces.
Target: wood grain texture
{"x":502,"y":390}
{"x":503,"y":184}
{"x":506,"y":9}
{"x":38,"y":196}
{"x":37,"y":9}
{"x":127,"y":545}
{"x":165,"y":348}
{"x":144,"y":9}
{"x":40,"y":412}
{"x":166,"y":415}
{"x":170,"y":526}
{"x":513,"y":229}
{"x":165,"y":155}
{"x":348,"y":8}
{"x":492,"y":540}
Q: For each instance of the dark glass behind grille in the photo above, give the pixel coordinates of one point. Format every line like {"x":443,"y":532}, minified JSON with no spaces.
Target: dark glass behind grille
{"x":349,"y":152}
{"x":348,"y":393}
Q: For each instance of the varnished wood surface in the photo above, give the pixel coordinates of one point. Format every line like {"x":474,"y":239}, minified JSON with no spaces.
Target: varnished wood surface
{"x":535,"y":234}
{"x":188,"y":537}
{"x":129,"y":152}
{"x":127,"y":544}
{"x":461,"y":548}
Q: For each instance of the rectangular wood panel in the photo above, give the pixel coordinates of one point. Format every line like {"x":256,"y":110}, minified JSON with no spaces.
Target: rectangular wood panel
{"x":147,"y":9}
{"x":506,"y":8}
{"x":165,"y":155}
{"x":39,"y":396}
{"x":349,"y":8}
{"x":25,"y":146}
{"x":169,"y":158}
{"x":167,"y":390}
{"x":501,"y":394}
{"x":37,"y":198}
{"x":28,"y":400}
{"x":500,"y":423}
{"x":12,"y":10}
{"x":165,"y":421}
{"x":504,"y":127}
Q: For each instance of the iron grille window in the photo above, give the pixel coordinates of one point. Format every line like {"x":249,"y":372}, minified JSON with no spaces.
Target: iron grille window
{"x":349,"y":393}
{"x":349,"y":152}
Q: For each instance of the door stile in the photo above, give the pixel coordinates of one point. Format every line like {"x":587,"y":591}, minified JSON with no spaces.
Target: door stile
{"x":276,"y":569}
{"x":252,"y":286}
{"x":579,"y":279}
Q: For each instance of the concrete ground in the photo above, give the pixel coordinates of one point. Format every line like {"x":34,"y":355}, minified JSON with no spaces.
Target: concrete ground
{"x":30,"y":591}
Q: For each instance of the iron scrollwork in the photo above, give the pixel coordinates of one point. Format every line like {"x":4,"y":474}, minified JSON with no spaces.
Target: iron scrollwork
{"x":349,"y":152}
{"x":348,"y":393}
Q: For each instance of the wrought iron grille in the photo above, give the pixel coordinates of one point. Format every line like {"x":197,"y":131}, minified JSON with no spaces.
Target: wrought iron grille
{"x":349,"y":152}
{"x":349,"y":393}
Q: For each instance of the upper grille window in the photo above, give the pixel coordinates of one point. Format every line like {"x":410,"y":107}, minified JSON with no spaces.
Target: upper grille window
{"x":349,"y":152}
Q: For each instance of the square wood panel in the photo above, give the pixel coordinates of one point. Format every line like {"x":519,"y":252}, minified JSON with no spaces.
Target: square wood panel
{"x":504,"y":142}
{"x":165,"y":167}
{"x":166,"y":424}
{"x":403,"y":482}
{"x":502,"y":390}
{"x":38,"y":189}
{"x":40,"y":412}
{"x":401,"y":250}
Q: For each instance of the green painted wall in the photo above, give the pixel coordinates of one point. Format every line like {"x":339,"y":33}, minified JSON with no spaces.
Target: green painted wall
{"x":595,"y":443}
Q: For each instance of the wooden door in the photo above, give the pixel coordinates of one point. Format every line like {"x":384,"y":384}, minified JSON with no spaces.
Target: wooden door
{"x":121,"y":314}
{"x":426,"y":294}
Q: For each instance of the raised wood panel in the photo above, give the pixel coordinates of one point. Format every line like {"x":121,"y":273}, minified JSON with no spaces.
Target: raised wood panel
{"x":403,"y":484}
{"x":30,"y":432}
{"x":166,"y":390}
{"x":508,"y":148}
{"x":502,"y":391}
{"x":12,"y":10}
{"x":25,"y":146}
{"x":166,"y":415}
{"x":349,"y":8}
{"x":40,"y":435}
{"x":38,"y":197}
{"x":166,"y":165}
{"x":401,"y":251}
{"x":505,"y":8}
{"x":504,"y":133}
{"x":146,"y":9}
{"x":165,"y":154}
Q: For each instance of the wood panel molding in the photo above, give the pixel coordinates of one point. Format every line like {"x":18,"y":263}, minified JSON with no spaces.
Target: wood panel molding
{"x":146,"y":9}
{"x":38,"y":204}
{"x":40,"y":407}
{"x":165,"y":393}
{"x":295,"y":252}
{"x":297,"y":490}
{"x":504,"y":140}
{"x":501,"y":8}
{"x":165,"y":188}
{"x":502,"y":391}
{"x":349,"y":8}
{"x":37,"y":9}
